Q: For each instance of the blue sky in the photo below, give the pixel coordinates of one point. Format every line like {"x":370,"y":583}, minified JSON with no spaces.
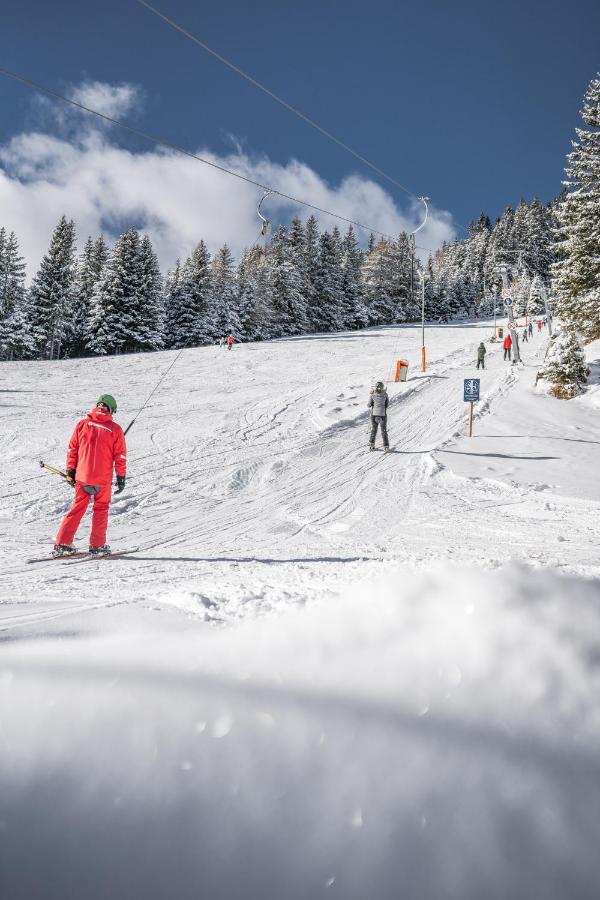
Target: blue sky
{"x":472,"y":103}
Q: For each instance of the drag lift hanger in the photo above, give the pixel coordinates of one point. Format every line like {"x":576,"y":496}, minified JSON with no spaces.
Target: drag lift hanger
{"x":266,"y":226}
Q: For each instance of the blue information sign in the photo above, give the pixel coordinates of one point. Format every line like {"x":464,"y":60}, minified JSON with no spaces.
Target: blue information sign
{"x":471,"y":389}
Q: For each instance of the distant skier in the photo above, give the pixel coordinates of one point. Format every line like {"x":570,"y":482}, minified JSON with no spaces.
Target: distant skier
{"x":481,"y":351}
{"x":539,"y":325}
{"x":530,"y":328}
{"x":378,"y":404}
{"x":222,"y":343}
{"x":507,"y":346}
{"x":97,"y":446}
{"x":230,"y":341}
{"x":525,"y":338}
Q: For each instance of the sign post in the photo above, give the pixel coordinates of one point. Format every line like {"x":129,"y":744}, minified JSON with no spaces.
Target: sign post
{"x":471,"y":395}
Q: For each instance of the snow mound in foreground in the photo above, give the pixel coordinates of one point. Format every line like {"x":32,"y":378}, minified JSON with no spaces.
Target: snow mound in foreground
{"x":432,"y":735}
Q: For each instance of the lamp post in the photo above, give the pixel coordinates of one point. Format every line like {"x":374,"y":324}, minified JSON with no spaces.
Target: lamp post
{"x":413,"y":246}
{"x":423,"y":351}
{"x":503,"y":269}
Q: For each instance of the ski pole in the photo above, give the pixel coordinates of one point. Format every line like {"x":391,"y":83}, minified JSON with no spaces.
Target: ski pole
{"x":154,"y":389}
{"x":57,"y":472}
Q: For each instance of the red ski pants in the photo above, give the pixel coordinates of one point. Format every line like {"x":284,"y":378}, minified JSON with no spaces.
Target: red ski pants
{"x":71,"y":521}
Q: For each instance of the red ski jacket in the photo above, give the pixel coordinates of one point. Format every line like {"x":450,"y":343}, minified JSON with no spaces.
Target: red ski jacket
{"x":97,"y":444}
{"x":507,"y":342}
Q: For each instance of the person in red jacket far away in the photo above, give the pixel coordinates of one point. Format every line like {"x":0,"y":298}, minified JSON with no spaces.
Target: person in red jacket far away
{"x":97,"y":446}
{"x":507,"y":346}
{"x":230,"y":341}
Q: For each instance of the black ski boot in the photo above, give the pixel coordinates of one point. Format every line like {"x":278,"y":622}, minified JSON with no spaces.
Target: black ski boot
{"x":104,"y":550}
{"x":63,"y":550}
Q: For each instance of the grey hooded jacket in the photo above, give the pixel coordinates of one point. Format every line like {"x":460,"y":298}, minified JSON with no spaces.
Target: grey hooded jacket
{"x":378,"y":403}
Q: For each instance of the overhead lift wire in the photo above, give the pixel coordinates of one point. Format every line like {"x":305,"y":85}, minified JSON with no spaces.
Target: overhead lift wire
{"x":281,"y":101}
{"x":34,"y":85}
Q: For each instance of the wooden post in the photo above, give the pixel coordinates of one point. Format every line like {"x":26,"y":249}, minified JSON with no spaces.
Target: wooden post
{"x":423,"y":359}
{"x":471,"y":418}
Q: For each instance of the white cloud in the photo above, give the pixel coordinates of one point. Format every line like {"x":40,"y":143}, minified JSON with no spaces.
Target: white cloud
{"x":110,"y":99}
{"x":175,"y":199}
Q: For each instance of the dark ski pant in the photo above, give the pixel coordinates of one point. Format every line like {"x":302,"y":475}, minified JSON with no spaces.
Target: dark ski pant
{"x":507,"y":352}
{"x":481,"y":362}
{"x":70,"y":523}
{"x":382,"y":422}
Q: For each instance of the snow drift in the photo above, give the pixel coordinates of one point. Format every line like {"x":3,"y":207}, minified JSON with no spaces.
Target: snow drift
{"x":428,"y":735}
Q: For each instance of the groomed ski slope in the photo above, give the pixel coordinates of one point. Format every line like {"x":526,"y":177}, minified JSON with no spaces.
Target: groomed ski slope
{"x":327,"y":672}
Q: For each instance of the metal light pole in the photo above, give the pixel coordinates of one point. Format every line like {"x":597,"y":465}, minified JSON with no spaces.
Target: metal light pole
{"x":547,"y":307}
{"x":511,"y":316}
{"x":413,"y":246}
{"x":423,"y":351}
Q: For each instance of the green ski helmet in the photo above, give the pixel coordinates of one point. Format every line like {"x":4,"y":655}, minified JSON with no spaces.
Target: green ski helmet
{"x":108,"y":401}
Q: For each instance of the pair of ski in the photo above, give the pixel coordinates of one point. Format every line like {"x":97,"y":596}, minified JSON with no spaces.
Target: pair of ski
{"x":84,"y":555}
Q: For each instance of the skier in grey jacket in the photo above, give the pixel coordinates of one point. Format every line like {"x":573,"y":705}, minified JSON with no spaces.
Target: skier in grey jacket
{"x":378,"y":404}
{"x":481,"y":351}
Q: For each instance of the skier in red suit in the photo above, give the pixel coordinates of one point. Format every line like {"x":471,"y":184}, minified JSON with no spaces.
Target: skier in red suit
{"x":97,"y":446}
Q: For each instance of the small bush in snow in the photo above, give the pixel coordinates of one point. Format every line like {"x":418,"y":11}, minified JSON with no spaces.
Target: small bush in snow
{"x":565,"y":366}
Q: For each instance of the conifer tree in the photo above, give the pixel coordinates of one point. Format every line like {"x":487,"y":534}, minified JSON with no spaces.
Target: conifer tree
{"x":150,"y":320}
{"x":190,"y":325}
{"x":576,"y":273}
{"x":328,"y":285}
{"x":175,"y":299}
{"x":16,"y":341}
{"x":311,"y":266}
{"x":255,"y":313}
{"x":91,"y":263}
{"x":116,"y":298}
{"x":565,"y":366}
{"x":223,"y":318}
{"x":536,"y":305}
{"x":285,"y":286}
{"x":354,"y":311}
{"x":52,"y":292}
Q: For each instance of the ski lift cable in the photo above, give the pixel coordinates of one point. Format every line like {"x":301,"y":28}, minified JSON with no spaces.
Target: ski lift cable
{"x":153,"y":391}
{"x":281,"y":101}
{"x":170,"y":146}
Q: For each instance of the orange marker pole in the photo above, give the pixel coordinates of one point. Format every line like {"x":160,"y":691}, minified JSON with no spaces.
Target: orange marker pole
{"x":423,"y":359}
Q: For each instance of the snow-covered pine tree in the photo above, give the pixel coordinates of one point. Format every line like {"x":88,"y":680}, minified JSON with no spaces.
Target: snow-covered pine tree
{"x":91,"y":263}
{"x":376,"y":279}
{"x":298,"y":248}
{"x":16,"y":341}
{"x":538,"y":240}
{"x":521,"y":288}
{"x":576,"y":273}
{"x":223,"y":318}
{"x":151,"y":311}
{"x":354,"y":312}
{"x":476,"y":251}
{"x":565,"y":367}
{"x":52,"y":292}
{"x":328,"y":285}
{"x":535,"y":303}
{"x":116,"y":300}
{"x":406,"y":306}
{"x":189,"y":317}
{"x":311,"y":266}
{"x":175,"y":298}
{"x":255,"y":313}
{"x":285,"y":286}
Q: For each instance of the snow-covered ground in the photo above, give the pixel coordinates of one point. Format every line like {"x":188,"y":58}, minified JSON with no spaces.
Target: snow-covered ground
{"x":326,"y":672}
